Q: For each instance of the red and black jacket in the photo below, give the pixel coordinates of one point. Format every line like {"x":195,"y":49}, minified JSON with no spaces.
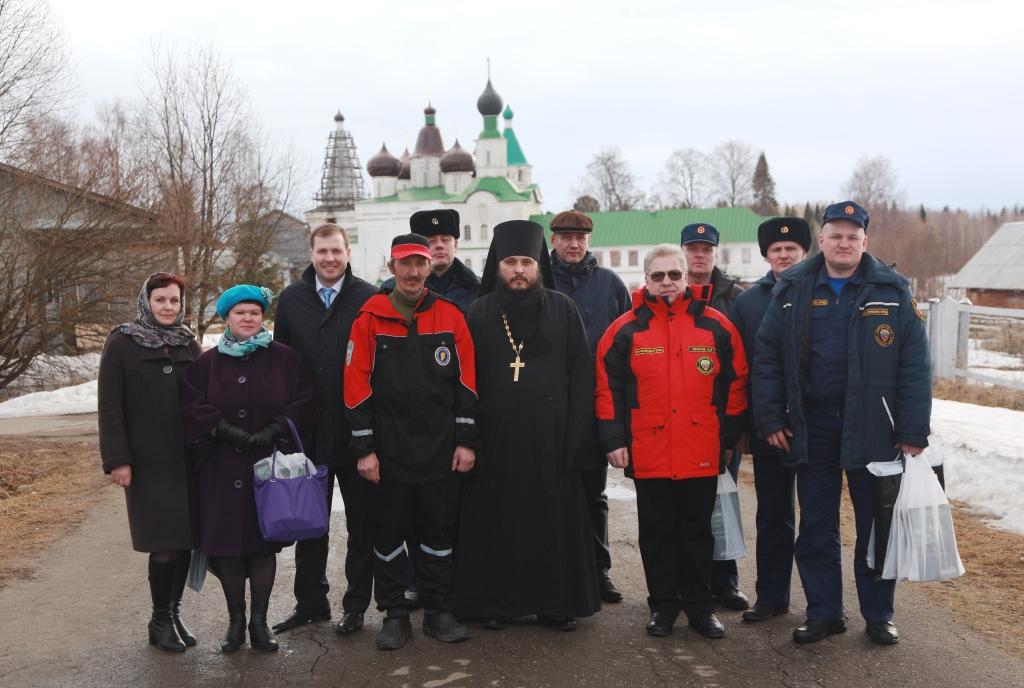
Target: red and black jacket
{"x":671,"y":386}
{"x":410,"y":388}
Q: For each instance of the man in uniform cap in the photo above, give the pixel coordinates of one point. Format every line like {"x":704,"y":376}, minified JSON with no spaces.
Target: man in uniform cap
{"x":526,"y":543}
{"x":842,"y":377}
{"x":784,"y":242}
{"x":410,"y":395}
{"x":700,"y":246}
{"x":601,"y":297}
{"x":449,"y":276}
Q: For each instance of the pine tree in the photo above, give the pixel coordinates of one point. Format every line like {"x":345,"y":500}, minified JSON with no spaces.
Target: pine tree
{"x":763,"y":187}
{"x":924,"y":214}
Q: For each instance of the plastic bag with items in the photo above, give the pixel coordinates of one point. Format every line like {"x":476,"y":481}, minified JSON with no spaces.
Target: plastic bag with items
{"x":726,"y":522}
{"x":922,"y":542}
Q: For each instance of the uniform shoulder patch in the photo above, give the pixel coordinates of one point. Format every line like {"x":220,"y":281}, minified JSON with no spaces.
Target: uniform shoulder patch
{"x":705,"y":365}
{"x":884,"y":335}
{"x":442,"y":355}
{"x":917,"y":310}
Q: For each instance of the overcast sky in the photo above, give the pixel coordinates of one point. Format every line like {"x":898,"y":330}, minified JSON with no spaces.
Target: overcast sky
{"x":937,"y":87}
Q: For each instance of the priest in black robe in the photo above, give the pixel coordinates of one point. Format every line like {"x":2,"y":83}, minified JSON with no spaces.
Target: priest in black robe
{"x":525,"y":542}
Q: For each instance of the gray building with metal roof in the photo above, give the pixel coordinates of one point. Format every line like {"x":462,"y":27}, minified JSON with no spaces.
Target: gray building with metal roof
{"x":994,"y":276}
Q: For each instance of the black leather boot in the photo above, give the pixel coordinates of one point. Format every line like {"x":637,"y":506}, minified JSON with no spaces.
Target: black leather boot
{"x":235,"y":637}
{"x":260,"y":635}
{"x":181,"y":575}
{"x":161,"y":626}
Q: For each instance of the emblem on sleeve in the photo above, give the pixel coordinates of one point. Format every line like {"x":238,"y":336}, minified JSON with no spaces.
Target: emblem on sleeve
{"x":705,"y":365}
{"x":442,"y":355}
{"x":884,"y":334}
{"x":917,"y":310}
{"x":348,"y":352}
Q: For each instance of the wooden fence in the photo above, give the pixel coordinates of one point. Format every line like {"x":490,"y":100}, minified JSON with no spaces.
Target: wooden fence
{"x":953,"y":325}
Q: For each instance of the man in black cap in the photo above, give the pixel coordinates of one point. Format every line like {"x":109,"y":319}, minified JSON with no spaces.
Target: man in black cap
{"x":410,"y":395}
{"x":784,"y":242}
{"x":700,"y":245}
{"x":526,"y":544}
{"x":449,"y":276}
{"x":842,"y":378}
{"x":601,"y":297}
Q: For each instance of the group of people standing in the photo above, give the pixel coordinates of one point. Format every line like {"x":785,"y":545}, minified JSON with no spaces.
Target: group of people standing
{"x":470,"y":425}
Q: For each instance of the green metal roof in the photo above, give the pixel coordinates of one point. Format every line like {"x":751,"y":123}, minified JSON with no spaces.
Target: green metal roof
{"x":501,"y":187}
{"x":515,"y":153}
{"x":640,"y":227}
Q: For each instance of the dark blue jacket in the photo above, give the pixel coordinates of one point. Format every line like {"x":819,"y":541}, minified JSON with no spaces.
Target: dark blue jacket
{"x":748,"y":309}
{"x":458,"y":284}
{"x":888,"y":360}
{"x":599,"y":294}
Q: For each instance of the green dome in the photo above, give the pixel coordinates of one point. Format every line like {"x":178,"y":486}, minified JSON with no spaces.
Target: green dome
{"x":508,"y":112}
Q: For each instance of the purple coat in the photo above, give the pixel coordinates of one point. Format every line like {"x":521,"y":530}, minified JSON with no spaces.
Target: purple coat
{"x":250,"y":392}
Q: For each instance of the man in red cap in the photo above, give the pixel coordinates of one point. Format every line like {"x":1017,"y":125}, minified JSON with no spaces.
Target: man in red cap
{"x":410,"y":394}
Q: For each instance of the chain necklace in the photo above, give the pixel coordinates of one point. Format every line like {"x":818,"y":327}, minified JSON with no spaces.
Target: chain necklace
{"x":516,"y":364}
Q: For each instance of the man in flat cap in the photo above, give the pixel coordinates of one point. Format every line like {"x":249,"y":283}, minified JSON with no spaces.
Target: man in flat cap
{"x":525,"y":540}
{"x":601,"y":297}
{"x":700,"y":246}
{"x":449,"y":276}
{"x":784,"y":242}
{"x":410,"y":395}
{"x":842,"y":377}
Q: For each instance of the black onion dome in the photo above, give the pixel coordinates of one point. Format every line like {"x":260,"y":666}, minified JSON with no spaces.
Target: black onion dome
{"x":383,"y":164}
{"x":457,"y":160}
{"x":489,"y":102}
{"x":406,"y":172}
{"x":428,"y":142}
{"x":339,"y":117}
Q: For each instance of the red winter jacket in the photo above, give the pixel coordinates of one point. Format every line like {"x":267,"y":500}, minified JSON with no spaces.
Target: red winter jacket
{"x":671,"y":386}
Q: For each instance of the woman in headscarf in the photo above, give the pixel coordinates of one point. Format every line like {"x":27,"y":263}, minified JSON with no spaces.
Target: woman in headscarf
{"x":143,"y":448}
{"x":238,"y":399}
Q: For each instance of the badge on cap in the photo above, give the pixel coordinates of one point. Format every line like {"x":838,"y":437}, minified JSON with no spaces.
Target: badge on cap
{"x":784,"y":230}
{"x":849,"y":210}
{"x":701,"y":230}
{"x":705,"y":365}
{"x":884,"y":334}
{"x":434,"y":221}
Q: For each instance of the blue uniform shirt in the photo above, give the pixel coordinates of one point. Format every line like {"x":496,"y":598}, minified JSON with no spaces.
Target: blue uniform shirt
{"x":830,"y":337}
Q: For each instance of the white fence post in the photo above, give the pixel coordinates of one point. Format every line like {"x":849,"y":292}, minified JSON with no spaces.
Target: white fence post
{"x":943,"y":336}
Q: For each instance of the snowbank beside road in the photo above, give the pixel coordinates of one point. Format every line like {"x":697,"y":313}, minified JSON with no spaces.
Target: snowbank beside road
{"x":60,"y":402}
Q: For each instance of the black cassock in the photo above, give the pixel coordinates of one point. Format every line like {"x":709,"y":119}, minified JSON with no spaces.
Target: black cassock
{"x":525,"y":543}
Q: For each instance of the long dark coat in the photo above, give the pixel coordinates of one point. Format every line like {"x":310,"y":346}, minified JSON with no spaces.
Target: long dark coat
{"x":321,"y":335}
{"x":252,"y":391}
{"x":525,"y":540}
{"x":140,"y":426}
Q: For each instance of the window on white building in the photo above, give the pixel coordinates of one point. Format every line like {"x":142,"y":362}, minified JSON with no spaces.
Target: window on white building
{"x":616,"y":258}
{"x":725,"y":256}
{"x":634,"y":258}
{"x":467,"y":233}
{"x":484,"y":235}
{"x":745,"y":256}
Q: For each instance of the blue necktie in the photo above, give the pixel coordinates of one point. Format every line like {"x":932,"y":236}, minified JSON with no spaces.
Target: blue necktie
{"x":326,"y":294}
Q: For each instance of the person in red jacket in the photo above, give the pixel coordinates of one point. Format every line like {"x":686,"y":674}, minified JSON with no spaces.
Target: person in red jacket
{"x":671,"y":393}
{"x":410,"y":397}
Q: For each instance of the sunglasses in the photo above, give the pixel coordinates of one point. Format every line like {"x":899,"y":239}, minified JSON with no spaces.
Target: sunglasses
{"x":674,"y":275}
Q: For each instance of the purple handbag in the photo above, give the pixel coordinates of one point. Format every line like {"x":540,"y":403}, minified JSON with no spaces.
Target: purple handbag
{"x":292,"y":509}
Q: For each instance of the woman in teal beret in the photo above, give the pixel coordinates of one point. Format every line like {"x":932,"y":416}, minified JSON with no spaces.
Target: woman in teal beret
{"x":237,"y":401}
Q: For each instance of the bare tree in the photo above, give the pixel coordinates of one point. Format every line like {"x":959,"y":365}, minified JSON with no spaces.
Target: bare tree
{"x":586,"y":204}
{"x":609,"y":180}
{"x":873,"y":183}
{"x":214,"y":175}
{"x":733,"y":165}
{"x":685,"y":181}
{"x":33,"y":67}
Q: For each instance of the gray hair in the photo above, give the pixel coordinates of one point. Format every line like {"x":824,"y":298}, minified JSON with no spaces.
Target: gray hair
{"x":661,"y":251}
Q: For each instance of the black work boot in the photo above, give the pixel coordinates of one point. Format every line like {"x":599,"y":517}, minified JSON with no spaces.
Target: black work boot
{"x":161,"y":626}
{"x":395,"y":632}
{"x":235,"y":636}
{"x":443,"y":626}
{"x":260,"y":635}
{"x":181,"y":575}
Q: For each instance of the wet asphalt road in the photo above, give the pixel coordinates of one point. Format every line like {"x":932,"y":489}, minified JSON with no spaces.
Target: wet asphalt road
{"x":81,"y":621}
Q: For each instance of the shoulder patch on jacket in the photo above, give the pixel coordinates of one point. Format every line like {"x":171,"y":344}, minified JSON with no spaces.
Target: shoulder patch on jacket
{"x":917,"y":310}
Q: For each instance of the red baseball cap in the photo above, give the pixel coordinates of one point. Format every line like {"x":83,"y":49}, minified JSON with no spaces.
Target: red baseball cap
{"x":406,"y":245}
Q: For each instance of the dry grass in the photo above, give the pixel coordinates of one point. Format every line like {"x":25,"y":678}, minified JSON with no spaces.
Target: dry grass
{"x":46,"y":488}
{"x":972,"y":393}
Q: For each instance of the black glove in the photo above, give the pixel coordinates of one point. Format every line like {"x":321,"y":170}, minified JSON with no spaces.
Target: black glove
{"x":233,"y":435}
{"x":265,"y":438}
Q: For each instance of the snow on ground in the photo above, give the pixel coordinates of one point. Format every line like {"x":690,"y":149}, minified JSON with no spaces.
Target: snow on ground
{"x":981,"y":447}
{"x":994,"y":363}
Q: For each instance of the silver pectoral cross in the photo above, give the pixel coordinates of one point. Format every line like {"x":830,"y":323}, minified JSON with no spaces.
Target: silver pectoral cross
{"x":516,"y":364}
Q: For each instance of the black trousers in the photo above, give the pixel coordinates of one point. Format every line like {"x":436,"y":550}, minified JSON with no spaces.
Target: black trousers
{"x":594,"y":484}
{"x":423,"y":513}
{"x":724,"y":576}
{"x":311,"y":585}
{"x":676,"y":544}
{"x":775,"y":486}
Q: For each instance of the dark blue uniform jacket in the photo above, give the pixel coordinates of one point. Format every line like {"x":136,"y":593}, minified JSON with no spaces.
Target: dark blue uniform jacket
{"x":748,"y":310}
{"x":599,"y":294}
{"x":887,"y":359}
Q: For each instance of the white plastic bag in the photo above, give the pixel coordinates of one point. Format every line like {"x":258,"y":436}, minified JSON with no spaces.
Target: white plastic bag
{"x":726,"y":522}
{"x":286,"y":466}
{"x":922,"y":544}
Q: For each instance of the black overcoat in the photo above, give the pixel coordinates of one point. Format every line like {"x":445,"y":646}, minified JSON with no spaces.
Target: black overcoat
{"x":140,"y":426}
{"x":250,"y":392}
{"x":320,"y":335}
